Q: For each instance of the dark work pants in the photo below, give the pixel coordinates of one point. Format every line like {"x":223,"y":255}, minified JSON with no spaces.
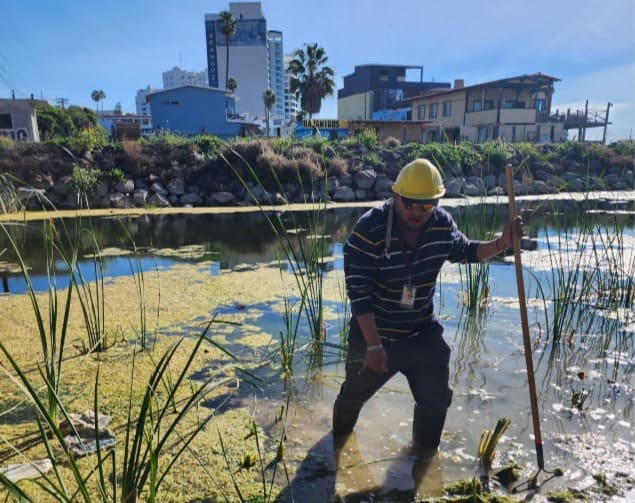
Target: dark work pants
{"x":423,"y":359}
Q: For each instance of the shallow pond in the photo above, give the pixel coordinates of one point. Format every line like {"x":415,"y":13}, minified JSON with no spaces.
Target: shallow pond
{"x":585,"y":382}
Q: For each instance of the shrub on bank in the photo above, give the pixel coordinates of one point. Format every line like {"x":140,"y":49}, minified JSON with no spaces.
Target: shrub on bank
{"x":204,"y":164}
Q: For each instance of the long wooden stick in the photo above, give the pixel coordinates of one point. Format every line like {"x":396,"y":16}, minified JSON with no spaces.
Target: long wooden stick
{"x":523,"y":318}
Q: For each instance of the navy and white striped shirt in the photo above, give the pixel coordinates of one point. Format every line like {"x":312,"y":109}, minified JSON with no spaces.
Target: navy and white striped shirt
{"x":376,"y":274}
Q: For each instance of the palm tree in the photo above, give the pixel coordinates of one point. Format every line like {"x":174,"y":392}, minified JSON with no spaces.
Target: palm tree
{"x":227,"y":28}
{"x":232,"y":85}
{"x":268,"y":98}
{"x":97,"y":96}
{"x":311,"y":81}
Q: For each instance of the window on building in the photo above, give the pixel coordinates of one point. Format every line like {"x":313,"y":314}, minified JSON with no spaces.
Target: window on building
{"x":477,"y":106}
{"x":383,"y":75}
{"x":433,"y":110}
{"x":421,"y":112}
{"x":6,"y":122}
{"x":489,"y":104}
{"x":540,"y":104}
{"x":447,"y":108}
{"x":482,"y":134}
{"x":513,"y":104}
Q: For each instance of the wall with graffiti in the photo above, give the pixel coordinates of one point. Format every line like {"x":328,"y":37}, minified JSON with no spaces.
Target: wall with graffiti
{"x":18,"y":121}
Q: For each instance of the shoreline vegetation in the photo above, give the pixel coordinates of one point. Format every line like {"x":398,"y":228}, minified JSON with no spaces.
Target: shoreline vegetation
{"x":169,"y":171}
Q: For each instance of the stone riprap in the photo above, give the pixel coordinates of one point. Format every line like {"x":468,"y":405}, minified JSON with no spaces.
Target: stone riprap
{"x":157,"y":175}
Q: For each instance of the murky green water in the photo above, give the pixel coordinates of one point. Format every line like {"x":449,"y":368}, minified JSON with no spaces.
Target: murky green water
{"x":585,"y":382}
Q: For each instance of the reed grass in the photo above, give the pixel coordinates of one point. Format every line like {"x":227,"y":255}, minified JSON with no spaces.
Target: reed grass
{"x":143,"y":331}
{"x":151,"y":429}
{"x":489,"y":441}
{"x":615,"y":288}
{"x":558,"y":288}
{"x":475,"y":277}
{"x":9,"y":200}
{"x":52,"y":321}
{"x":304,"y":250}
{"x":90,"y":294}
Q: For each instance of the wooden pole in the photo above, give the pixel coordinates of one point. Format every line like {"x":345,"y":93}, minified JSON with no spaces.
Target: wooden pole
{"x":523,"y":319}
{"x":606,"y":122}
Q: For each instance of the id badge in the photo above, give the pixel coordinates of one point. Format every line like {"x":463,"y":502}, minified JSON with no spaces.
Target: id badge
{"x":408,"y":296}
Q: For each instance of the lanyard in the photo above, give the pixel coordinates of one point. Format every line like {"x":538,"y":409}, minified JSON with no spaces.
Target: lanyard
{"x":406,"y":254}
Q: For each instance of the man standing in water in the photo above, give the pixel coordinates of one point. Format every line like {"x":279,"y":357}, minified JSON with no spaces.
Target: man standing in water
{"x":391,"y":262}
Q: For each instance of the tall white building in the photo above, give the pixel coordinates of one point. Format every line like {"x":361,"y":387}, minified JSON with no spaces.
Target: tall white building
{"x":255,"y":59}
{"x":276,"y":77}
{"x":177,"y":77}
{"x":291,"y":106}
{"x":143,"y":108}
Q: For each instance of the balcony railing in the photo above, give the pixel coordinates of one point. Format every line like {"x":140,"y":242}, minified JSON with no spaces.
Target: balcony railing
{"x":510,"y":116}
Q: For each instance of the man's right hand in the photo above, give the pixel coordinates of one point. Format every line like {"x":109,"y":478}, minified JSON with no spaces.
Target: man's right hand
{"x":376,"y":358}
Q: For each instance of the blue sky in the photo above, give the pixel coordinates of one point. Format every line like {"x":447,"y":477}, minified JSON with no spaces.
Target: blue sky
{"x":67,"y":48}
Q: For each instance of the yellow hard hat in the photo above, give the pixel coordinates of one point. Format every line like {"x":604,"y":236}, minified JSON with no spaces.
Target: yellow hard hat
{"x":419,"y":179}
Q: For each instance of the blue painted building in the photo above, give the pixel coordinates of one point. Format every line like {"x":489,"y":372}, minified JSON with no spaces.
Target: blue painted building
{"x":193,"y":110}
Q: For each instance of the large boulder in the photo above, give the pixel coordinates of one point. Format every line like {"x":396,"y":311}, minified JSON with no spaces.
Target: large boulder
{"x":159,"y":200}
{"x":343,"y":195}
{"x":125,"y":187}
{"x":223,"y":198}
{"x":365,"y":179}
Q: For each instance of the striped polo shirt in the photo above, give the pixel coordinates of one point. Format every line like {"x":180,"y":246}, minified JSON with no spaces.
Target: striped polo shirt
{"x":377,"y":267}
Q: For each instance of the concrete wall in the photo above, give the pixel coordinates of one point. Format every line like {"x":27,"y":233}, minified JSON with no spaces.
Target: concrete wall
{"x":18,"y":120}
{"x":355,"y":107}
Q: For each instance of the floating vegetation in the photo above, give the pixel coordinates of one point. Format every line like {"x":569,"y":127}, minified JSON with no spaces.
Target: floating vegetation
{"x":189,"y":252}
{"x":108,"y":252}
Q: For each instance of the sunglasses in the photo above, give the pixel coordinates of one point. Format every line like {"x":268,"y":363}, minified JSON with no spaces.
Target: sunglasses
{"x":413,"y":204}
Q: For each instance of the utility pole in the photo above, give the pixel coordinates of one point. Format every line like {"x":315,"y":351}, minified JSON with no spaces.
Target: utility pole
{"x":61,"y":102}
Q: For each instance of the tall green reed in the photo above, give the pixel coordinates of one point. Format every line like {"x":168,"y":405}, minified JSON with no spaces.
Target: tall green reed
{"x":90,"y":294}
{"x":303,"y":250}
{"x":144,"y":331}
{"x":569,"y":280}
{"x":475,"y":278}
{"x":151,"y":430}
{"x":614,"y":258}
{"x":9,"y":199}
{"x":51,"y":318}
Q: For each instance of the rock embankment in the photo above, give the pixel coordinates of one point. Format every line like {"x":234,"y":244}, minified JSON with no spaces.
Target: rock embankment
{"x":163,"y":175}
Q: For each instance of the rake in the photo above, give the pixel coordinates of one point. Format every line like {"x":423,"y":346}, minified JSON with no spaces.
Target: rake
{"x":532,"y":481}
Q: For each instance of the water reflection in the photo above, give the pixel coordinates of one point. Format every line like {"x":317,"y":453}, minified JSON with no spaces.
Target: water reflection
{"x":164,"y":240}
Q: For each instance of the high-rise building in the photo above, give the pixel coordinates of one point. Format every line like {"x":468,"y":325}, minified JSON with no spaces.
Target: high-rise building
{"x":276,"y":76}
{"x":177,"y":77}
{"x":255,"y":59}
{"x":143,"y":107}
{"x":291,"y":107}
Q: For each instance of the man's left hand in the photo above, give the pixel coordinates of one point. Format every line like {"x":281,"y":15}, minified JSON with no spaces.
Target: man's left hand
{"x":512,"y":228}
